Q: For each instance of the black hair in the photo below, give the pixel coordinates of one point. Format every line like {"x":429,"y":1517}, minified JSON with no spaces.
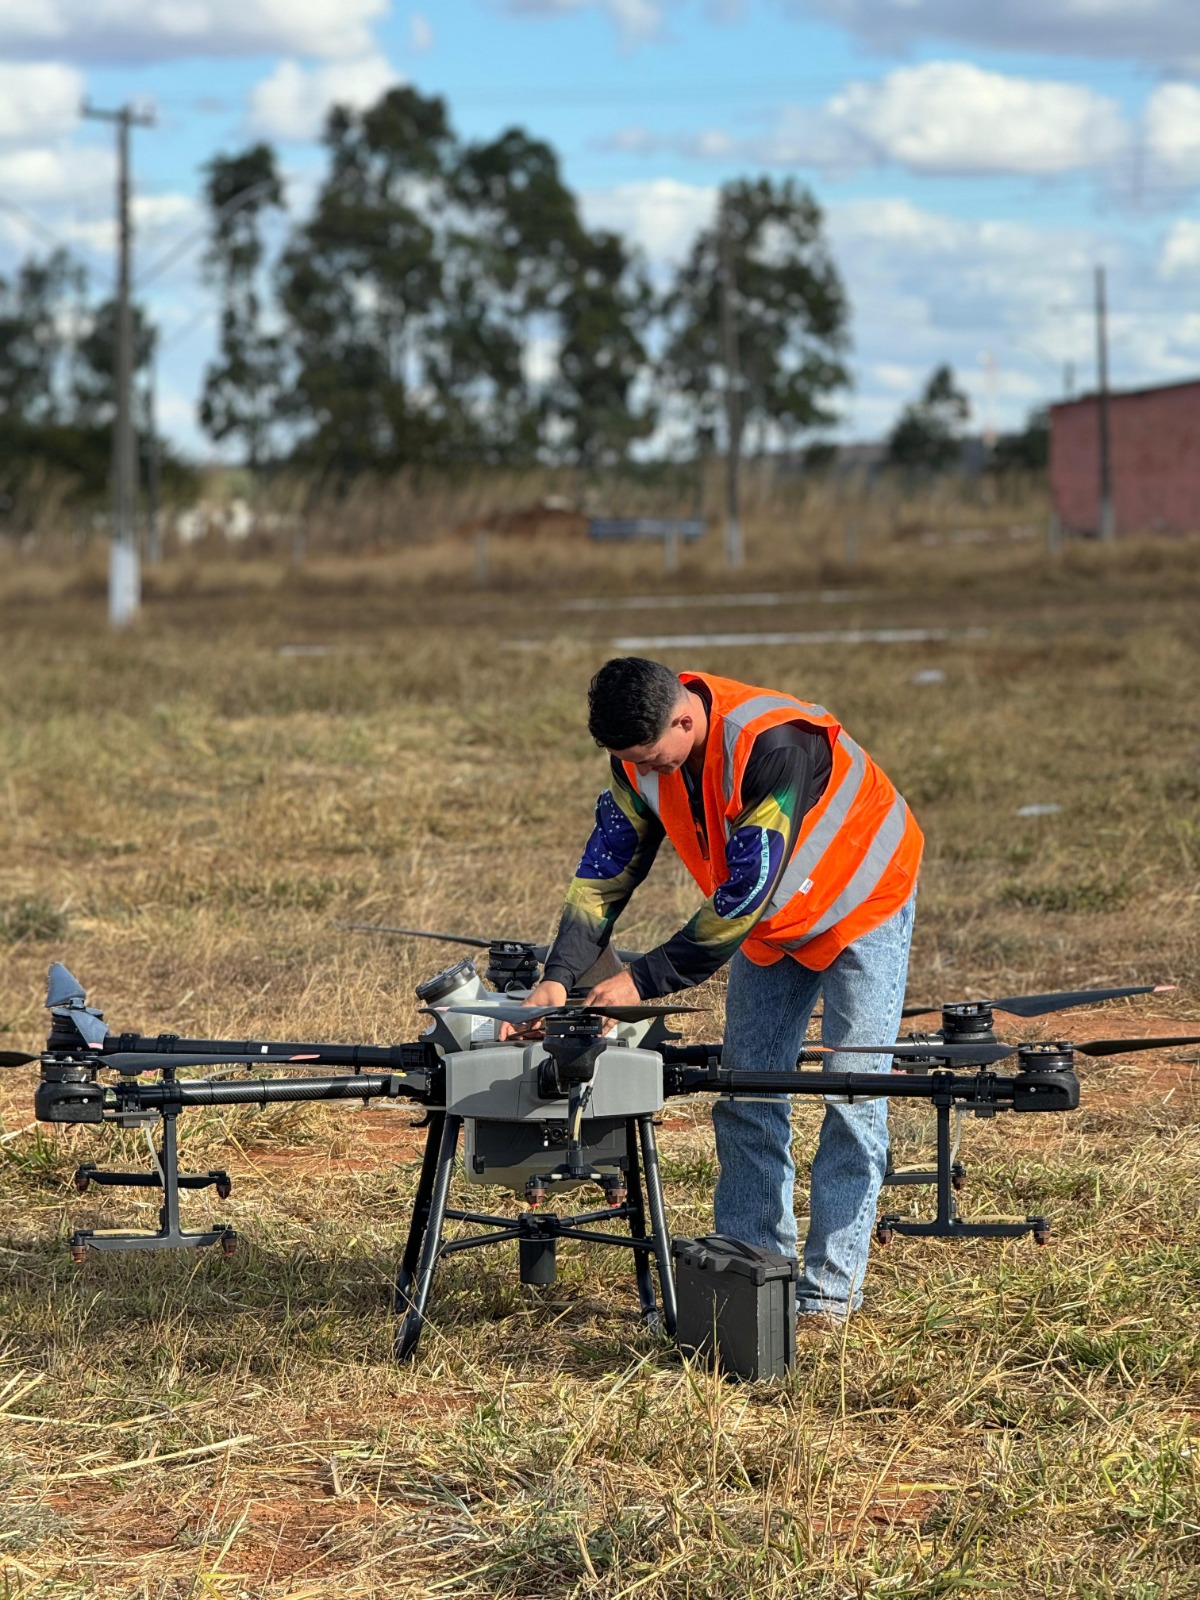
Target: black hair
{"x":630,"y":702}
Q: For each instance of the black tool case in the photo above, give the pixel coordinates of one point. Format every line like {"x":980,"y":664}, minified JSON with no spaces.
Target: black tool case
{"x":737,"y":1305}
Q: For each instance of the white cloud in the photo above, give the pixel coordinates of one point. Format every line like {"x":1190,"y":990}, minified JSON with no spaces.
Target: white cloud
{"x":661,"y":215}
{"x":943,"y":117}
{"x":48,"y":175}
{"x":293,"y":101}
{"x":636,"y":21}
{"x":158,"y":30}
{"x":952,"y":116}
{"x":1162,"y":32}
{"x":420,"y":34}
{"x":1171,"y":124}
{"x":38,"y":100}
{"x":1181,"y":250}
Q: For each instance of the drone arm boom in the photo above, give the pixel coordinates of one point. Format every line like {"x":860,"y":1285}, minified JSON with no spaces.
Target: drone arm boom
{"x":271,"y":1052}
{"x":270,"y":1091}
{"x":1046,"y":1091}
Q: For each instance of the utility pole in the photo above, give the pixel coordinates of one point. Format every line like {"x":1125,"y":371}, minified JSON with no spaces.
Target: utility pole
{"x":124,"y":577}
{"x":1108,"y":519}
{"x":735,"y":553}
{"x":989,"y":403}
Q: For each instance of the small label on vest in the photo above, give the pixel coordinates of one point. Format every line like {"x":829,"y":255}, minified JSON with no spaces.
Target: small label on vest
{"x":805,"y":886}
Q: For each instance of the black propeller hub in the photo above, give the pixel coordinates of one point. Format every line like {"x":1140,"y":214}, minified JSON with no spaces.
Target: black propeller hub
{"x":512,"y":964}
{"x":574,"y":1043}
{"x":1048,"y":1057}
{"x":968,"y":1022}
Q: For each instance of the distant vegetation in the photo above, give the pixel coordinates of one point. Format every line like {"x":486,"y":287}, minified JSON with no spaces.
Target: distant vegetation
{"x":442,"y":304}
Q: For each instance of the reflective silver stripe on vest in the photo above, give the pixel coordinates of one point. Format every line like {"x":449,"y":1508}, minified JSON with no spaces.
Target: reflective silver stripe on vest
{"x":866,"y":879}
{"x":804,"y":862}
{"x":647,"y":787}
{"x":742,"y":716}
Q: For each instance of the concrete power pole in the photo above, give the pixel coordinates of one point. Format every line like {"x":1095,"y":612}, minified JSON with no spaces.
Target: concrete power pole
{"x":124,"y":576}
{"x":1108,"y":516}
{"x":735,"y":553}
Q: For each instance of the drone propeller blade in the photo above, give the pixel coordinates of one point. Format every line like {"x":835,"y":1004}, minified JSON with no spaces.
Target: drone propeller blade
{"x":540,"y":951}
{"x":62,"y":987}
{"x":513,"y":1011}
{"x":1040,"y":1005}
{"x":154,"y":1061}
{"x":15,"y":1058}
{"x":472,"y":939}
{"x":88,"y":1024}
{"x":981,"y":1055}
{"x":1119,"y":1047}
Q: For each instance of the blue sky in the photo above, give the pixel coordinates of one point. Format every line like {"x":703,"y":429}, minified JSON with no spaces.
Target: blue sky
{"x":974,"y":159}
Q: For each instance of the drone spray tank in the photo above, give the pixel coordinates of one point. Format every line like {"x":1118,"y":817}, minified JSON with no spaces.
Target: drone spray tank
{"x":455,"y":986}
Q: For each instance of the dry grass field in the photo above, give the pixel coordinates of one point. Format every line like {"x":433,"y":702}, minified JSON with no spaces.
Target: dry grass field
{"x":188,"y":811}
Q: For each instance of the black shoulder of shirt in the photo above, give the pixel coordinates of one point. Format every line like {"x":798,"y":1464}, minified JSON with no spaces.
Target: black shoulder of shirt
{"x":790,"y":747}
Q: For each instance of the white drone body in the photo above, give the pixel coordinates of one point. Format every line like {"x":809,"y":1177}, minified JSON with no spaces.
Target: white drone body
{"x":513,"y":1131}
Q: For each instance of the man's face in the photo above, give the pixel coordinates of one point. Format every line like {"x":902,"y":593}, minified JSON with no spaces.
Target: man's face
{"x":669,"y":751}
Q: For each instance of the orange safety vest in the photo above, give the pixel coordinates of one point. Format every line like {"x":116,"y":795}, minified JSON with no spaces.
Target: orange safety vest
{"x":855,"y":860}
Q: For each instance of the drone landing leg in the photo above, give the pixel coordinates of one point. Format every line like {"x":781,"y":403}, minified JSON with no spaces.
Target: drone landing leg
{"x":169,"y":1234}
{"x":420,"y":1214}
{"x":431,"y":1244}
{"x":637,"y":1223}
{"x":947,"y":1224}
{"x":658,"y":1222}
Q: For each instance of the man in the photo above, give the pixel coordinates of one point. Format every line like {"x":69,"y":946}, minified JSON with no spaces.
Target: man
{"x":808,"y":858}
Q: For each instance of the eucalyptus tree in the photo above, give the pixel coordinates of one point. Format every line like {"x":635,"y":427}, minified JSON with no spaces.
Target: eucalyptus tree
{"x":243,"y":385}
{"x":765,"y":255}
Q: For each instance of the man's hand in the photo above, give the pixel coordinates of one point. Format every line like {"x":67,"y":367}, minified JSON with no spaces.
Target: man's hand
{"x":619,"y":990}
{"x":547,"y":993}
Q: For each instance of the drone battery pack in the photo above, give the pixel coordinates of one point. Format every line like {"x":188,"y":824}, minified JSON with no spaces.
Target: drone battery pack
{"x":736,"y":1306}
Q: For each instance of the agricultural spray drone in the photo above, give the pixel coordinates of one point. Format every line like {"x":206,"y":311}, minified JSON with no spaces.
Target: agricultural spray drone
{"x":572,"y":1108}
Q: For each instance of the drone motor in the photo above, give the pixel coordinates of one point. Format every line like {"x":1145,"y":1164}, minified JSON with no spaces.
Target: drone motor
{"x":968,"y":1022}
{"x":512,"y":964}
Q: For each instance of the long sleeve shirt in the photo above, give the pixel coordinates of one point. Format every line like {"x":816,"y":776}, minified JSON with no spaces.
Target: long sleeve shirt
{"x":787,"y":773}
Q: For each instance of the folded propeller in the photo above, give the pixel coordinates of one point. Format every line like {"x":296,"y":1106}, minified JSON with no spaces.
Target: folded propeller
{"x":538,"y":951}
{"x":512,"y":1011}
{"x":1040,"y":1005}
{"x":983,"y":1055}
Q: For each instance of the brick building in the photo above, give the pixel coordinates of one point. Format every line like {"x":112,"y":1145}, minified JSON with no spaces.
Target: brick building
{"x":1154,"y":460}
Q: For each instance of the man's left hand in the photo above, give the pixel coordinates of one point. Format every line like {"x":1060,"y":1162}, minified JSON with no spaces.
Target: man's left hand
{"x":619,"y":990}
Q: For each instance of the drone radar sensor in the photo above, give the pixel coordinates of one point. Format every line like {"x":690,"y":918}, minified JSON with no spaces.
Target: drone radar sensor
{"x":570,"y":1104}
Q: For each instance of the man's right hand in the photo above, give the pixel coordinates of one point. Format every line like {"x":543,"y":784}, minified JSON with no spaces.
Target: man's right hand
{"x":547,"y":993}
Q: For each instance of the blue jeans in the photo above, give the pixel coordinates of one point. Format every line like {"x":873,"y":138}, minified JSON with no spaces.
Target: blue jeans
{"x":766,"y":1015}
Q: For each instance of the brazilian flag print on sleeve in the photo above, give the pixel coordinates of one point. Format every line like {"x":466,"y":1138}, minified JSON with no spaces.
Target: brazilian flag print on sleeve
{"x":618,"y":856}
{"x":622,"y":849}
